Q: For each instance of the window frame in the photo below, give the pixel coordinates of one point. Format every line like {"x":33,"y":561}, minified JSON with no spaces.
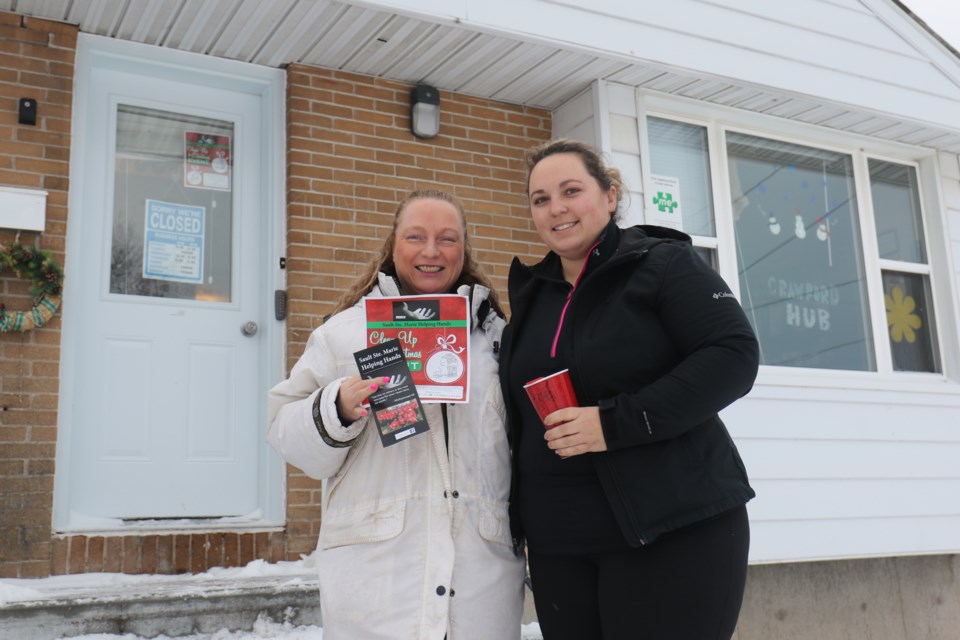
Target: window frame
{"x":902,"y":266}
{"x":718,"y":121}
{"x":713,"y":243}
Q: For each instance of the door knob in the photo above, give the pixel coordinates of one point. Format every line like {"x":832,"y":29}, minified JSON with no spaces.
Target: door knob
{"x":248,"y":328}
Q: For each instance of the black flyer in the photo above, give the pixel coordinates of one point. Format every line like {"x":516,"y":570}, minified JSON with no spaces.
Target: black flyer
{"x":395,"y":405}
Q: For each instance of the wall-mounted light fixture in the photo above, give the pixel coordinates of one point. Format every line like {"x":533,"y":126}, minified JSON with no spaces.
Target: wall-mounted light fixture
{"x":424,"y":111}
{"x":27,"y":111}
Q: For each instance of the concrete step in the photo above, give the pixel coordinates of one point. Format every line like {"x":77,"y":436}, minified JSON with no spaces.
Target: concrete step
{"x":171,"y":605}
{"x":168,"y":606}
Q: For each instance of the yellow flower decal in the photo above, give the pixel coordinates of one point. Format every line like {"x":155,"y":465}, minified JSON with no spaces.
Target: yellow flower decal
{"x":903,"y":322}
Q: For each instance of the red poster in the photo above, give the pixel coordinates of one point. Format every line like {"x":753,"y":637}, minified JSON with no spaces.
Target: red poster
{"x":207,"y":161}
{"x":434,"y":333}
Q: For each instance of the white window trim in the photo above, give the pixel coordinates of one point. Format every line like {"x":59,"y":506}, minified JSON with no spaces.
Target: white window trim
{"x":885,"y":356}
{"x":905,"y":267}
{"x":718,"y":120}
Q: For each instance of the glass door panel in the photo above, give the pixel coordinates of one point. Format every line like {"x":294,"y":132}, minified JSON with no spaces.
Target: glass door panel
{"x":173,"y":206}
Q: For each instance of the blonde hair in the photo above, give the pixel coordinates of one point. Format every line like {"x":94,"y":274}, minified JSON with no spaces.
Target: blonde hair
{"x":606,"y":176}
{"x":470,"y":274}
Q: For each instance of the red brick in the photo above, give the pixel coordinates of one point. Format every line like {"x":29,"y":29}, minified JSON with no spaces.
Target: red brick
{"x":35,"y":569}
{"x":165,"y":563}
{"x":113,"y":554}
{"x":77,"y":555}
{"x":246,"y":546}
{"x":95,"y":554}
{"x":181,"y":553}
{"x":148,"y":555}
{"x":198,"y":553}
{"x":58,"y":558}
{"x":131,"y":554}
{"x":231,"y":542}
{"x":215,"y":555}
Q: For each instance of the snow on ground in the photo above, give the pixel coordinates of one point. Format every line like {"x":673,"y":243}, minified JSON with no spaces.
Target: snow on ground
{"x":89,"y":584}
{"x":265,"y":628}
{"x":262,"y":628}
{"x":92,"y":584}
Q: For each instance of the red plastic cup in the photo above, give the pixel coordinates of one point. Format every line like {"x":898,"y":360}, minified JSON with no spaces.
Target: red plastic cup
{"x":551,"y":393}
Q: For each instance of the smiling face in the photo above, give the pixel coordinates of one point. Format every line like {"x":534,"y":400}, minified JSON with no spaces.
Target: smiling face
{"x":429,"y":247}
{"x":569,"y":207}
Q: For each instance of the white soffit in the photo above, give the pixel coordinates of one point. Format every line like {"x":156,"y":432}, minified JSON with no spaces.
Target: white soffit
{"x":365,"y":39}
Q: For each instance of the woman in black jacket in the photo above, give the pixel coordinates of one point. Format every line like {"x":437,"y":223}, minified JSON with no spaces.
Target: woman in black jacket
{"x":632,"y":504}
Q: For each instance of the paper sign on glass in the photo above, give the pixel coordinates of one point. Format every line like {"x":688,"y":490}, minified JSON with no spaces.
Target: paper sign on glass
{"x":395,"y":405}
{"x":551,"y":393}
{"x":667,"y":210}
{"x":434,"y":333}
{"x":206,"y":161}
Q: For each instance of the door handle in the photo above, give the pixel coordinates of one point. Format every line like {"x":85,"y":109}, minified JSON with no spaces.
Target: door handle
{"x":280,"y":304}
{"x":248,"y":328}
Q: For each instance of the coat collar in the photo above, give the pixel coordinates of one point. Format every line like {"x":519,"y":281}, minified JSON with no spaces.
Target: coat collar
{"x":614,"y":245}
{"x":551,"y":268}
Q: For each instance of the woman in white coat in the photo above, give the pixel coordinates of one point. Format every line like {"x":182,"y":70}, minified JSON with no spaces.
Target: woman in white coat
{"x":414,"y":538}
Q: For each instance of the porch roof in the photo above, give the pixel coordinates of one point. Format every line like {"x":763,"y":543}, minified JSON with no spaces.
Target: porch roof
{"x":454,"y":55}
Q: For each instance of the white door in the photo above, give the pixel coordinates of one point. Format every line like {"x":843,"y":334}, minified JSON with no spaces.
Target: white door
{"x":167,"y":347}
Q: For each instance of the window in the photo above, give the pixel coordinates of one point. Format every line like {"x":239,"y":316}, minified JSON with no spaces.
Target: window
{"x":173,"y":206}
{"x":816,"y":289}
{"x":680,"y":183}
{"x":903,"y":260}
{"x":802,"y":278}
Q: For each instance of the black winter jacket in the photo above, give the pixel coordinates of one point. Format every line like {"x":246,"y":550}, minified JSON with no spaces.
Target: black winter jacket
{"x":654,"y":314}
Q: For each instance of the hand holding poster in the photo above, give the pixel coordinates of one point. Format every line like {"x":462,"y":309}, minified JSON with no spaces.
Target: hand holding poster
{"x":434,"y":334}
{"x":395,"y":405}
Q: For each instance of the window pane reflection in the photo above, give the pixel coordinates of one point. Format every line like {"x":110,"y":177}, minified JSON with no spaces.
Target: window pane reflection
{"x":799,"y":254}
{"x":709,"y":256}
{"x":896,"y":208}
{"x":907,"y":298}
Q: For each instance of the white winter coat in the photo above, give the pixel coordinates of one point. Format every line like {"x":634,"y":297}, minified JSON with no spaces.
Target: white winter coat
{"x":414,"y":538}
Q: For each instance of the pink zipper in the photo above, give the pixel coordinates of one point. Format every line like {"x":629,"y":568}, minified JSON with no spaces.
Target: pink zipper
{"x":556,"y":337}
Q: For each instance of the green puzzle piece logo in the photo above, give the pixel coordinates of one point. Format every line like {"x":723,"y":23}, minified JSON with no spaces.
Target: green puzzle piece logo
{"x":665,"y":202}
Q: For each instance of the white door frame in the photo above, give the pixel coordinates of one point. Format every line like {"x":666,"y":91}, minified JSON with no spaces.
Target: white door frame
{"x":269,"y":84}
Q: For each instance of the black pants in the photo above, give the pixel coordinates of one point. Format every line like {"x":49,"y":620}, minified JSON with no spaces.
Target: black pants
{"x":686,"y":585}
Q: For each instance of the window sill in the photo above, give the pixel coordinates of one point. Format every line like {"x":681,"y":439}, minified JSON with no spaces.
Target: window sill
{"x":771,"y":379}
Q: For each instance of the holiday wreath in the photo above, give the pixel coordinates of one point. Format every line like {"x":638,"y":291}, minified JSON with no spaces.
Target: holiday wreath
{"x":47,"y":278}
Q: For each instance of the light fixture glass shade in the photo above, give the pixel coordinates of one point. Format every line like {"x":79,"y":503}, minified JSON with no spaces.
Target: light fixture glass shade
{"x":426,"y":120}
{"x":425,"y":111}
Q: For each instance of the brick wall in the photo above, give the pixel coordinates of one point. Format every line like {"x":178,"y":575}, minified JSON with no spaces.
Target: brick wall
{"x":351,"y":159}
{"x":36,"y":61}
{"x":164,"y":554}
